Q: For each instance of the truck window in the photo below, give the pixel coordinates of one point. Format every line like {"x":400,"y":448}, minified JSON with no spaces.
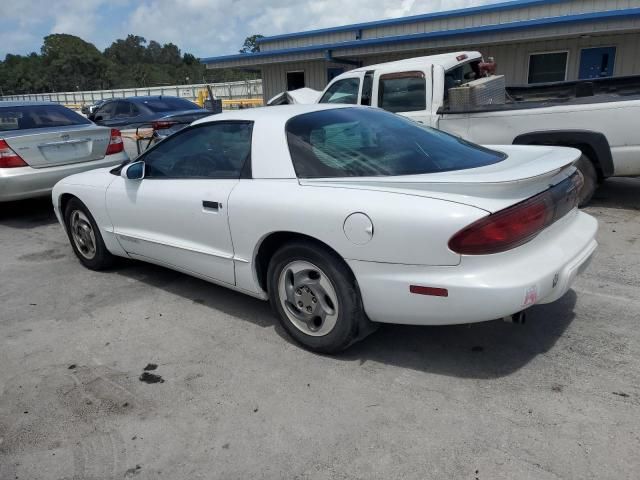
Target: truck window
{"x":460,"y":75}
{"x":367,"y":88}
{"x":343,"y":91}
{"x":402,"y":92}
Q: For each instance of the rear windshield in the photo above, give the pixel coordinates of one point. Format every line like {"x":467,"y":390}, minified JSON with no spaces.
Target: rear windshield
{"x":364,"y":142}
{"x":169,"y":104}
{"x":38,"y":116}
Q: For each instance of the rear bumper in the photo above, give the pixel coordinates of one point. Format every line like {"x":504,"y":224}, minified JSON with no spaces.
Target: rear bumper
{"x":26,"y":182}
{"x":484,"y":287}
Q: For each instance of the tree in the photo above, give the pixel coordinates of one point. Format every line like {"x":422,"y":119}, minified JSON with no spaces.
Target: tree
{"x":71,"y":63}
{"x":129,"y":51}
{"x":68,"y":63}
{"x":250,"y":44}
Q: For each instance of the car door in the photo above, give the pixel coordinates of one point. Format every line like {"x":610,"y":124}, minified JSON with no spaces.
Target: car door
{"x":177,"y":214}
{"x":122,"y":115}
{"x":104,"y":113}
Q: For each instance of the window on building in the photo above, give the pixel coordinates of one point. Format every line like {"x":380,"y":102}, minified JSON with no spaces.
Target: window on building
{"x":333,"y":72}
{"x":402,"y":92}
{"x":548,"y":67}
{"x":295,"y":80}
{"x":343,"y":91}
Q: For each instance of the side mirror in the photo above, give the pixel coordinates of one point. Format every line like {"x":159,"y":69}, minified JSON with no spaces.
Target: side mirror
{"x":133,"y":171}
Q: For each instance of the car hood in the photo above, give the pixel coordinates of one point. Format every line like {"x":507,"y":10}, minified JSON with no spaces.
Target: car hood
{"x":525,"y":172}
{"x":97,"y":178}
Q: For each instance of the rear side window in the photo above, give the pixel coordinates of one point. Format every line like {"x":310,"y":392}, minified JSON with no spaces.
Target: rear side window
{"x":169,"y":104}
{"x":402,"y":92}
{"x":343,"y":91}
{"x":38,"y":116}
{"x":363,"y":142}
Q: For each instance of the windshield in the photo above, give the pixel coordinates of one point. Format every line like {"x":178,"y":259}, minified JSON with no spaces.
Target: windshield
{"x":169,"y":104}
{"x":363,"y":142}
{"x":38,"y":116}
{"x":343,"y":91}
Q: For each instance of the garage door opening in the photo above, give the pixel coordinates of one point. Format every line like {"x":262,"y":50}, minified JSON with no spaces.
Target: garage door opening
{"x":295,"y":80}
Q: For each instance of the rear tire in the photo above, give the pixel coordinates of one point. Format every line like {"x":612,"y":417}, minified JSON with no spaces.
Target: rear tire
{"x":590,"y":176}
{"x":316,"y":297}
{"x":85,"y":237}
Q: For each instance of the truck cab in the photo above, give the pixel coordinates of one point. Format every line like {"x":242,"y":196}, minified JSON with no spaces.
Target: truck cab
{"x":416,"y":88}
{"x":596,"y":116}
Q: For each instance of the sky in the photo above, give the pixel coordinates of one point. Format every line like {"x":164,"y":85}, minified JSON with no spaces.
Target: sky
{"x":204,"y":28}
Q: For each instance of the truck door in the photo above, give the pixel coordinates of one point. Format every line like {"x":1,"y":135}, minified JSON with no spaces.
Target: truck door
{"x":406,"y":93}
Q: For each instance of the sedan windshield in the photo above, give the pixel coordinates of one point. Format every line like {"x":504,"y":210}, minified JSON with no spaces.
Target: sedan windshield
{"x":38,"y":116}
{"x":364,"y":142}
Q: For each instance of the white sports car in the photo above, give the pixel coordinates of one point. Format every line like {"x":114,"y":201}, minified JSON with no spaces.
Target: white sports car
{"x":342,"y":217}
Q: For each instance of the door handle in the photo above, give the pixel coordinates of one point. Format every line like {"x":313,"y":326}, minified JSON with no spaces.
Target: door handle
{"x":208,"y":205}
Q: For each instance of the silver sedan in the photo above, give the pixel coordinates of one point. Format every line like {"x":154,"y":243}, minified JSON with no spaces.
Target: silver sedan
{"x":42,"y":143}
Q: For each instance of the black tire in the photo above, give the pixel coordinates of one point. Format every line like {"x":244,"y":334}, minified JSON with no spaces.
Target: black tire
{"x":351,"y":324}
{"x":102,"y":258}
{"x":590,"y":176}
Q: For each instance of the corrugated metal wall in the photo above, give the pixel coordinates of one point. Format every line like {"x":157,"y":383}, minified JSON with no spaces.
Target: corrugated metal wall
{"x":512,"y":59}
{"x":569,"y":7}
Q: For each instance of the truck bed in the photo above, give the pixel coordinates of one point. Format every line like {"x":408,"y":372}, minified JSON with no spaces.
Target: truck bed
{"x":578,"y":92}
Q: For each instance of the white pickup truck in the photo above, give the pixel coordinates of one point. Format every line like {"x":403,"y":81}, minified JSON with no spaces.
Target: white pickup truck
{"x":599,"y":117}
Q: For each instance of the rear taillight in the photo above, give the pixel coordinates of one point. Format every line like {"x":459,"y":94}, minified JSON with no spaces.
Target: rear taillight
{"x":162,"y":125}
{"x":115,"y":142}
{"x":520,"y":223}
{"x":9,"y":158}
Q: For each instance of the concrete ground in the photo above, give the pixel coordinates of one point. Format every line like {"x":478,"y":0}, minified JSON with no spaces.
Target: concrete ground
{"x":556,"y":398}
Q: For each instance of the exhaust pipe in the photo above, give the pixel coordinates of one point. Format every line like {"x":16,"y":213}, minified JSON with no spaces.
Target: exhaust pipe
{"x":519,"y":318}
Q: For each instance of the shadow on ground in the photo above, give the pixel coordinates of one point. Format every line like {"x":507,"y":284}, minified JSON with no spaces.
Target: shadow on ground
{"x":485,"y":350}
{"x":621,"y":193}
{"x":36,"y":212}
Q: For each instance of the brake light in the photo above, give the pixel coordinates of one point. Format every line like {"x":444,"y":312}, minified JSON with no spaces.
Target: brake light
{"x":516,"y":225}
{"x":9,"y":158}
{"x":115,"y":142}
{"x":162,"y":125}
{"x":462,"y":57}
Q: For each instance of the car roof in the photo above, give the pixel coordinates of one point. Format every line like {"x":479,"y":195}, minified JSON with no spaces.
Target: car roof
{"x":152,"y":97}
{"x":24,"y":103}
{"x":276,"y":114}
{"x":270,"y":158}
{"x":447,"y":60}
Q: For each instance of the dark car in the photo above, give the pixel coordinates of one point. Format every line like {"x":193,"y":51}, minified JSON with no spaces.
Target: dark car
{"x":89,"y":109}
{"x":162,"y":113}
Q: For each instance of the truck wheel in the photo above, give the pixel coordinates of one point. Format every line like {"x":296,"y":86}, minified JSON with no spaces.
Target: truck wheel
{"x":315,"y":297}
{"x":588,"y":171}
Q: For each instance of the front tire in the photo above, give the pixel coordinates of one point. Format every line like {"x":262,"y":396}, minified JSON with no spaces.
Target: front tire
{"x":85,"y":237}
{"x":590,"y":176}
{"x":315,"y":297}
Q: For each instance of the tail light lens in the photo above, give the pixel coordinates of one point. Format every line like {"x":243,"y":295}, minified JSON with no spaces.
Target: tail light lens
{"x":520,"y":223}
{"x":115,"y":142}
{"x":9,"y":158}
{"x":162,"y":125}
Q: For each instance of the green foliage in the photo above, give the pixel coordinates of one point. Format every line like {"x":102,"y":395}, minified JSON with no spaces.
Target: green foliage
{"x":251,"y":44}
{"x":68,"y":63}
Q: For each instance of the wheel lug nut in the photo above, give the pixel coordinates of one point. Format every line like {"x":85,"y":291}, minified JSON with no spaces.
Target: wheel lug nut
{"x":298,"y":291}
{"x":300,"y":304}
{"x":309,"y":309}
{"x":314,"y":300}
